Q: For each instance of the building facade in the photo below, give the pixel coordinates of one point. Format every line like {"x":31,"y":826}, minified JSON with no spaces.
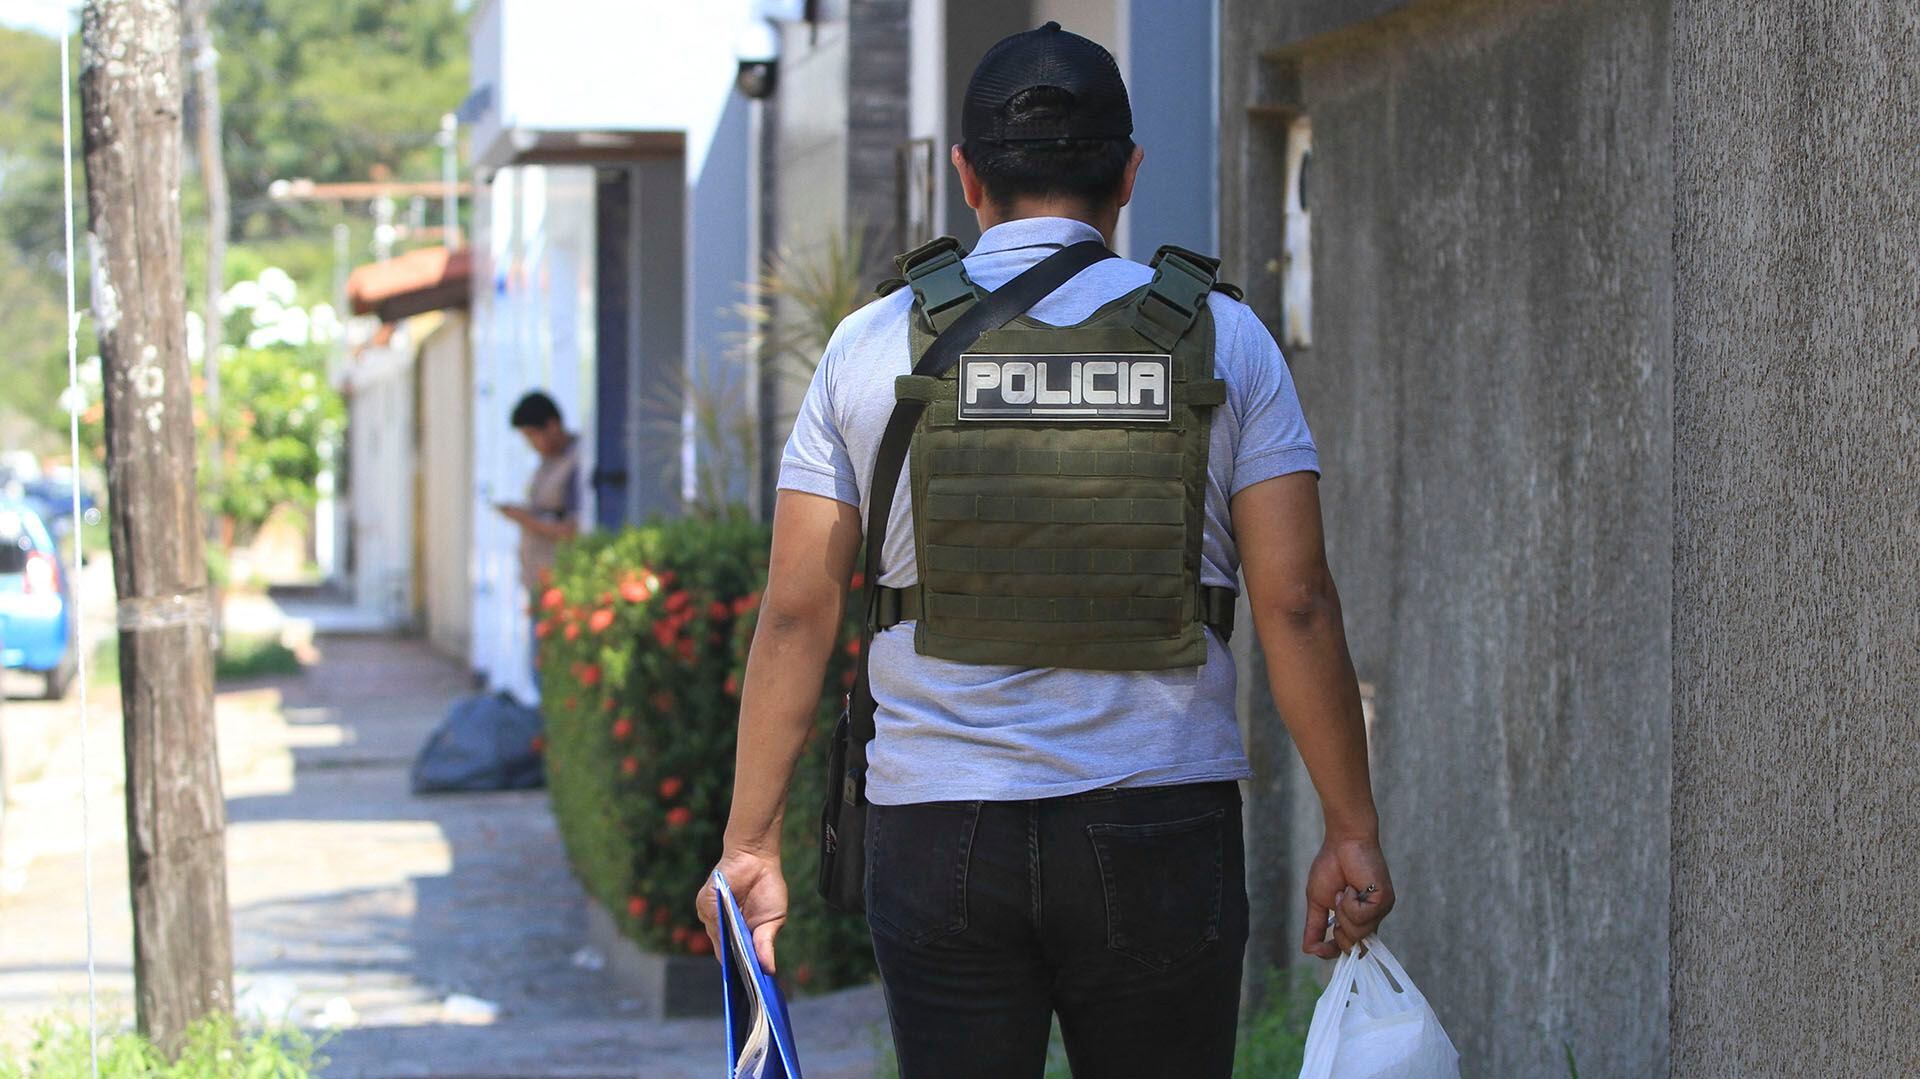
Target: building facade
{"x":867,"y":107}
{"x":615,"y":246}
{"x":1594,"y":311}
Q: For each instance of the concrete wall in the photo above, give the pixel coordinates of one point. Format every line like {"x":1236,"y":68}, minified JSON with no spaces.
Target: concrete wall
{"x":658,"y":313}
{"x":1490,"y":384}
{"x":833,"y":128}
{"x":381,"y":459}
{"x":876,"y":125}
{"x":807,"y":189}
{"x":719,"y":264}
{"x":445,"y":409}
{"x":1797,"y":539}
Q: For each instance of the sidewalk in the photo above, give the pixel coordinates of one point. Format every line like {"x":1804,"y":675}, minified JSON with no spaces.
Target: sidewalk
{"x":361,"y":907}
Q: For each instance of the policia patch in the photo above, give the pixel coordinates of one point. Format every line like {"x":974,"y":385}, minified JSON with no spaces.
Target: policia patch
{"x":1088,"y":387}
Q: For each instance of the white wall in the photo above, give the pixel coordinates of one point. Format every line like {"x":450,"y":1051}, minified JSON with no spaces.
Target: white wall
{"x":379,"y":382}
{"x":446,"y":476}
{"x":546,"y":67}
{"x":598,"y":65}
{"x":533,"y":329}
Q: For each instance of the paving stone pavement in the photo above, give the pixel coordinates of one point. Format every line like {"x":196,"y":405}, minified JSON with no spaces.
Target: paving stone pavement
{"x":359,"y":905}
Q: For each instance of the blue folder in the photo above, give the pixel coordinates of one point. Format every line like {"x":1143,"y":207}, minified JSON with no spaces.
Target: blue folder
{"x":759,"y":1038}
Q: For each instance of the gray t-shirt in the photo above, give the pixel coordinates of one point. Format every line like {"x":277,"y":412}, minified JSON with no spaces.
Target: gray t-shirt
{"x":950,"y":731}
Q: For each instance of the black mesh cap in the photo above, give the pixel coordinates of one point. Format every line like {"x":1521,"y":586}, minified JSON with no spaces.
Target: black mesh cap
{"x":1051,"y":57}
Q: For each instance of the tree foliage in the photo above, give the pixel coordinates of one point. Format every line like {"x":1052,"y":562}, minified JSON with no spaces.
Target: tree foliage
{"x":324,"y":91}
{"x":30,"y":202}
{"x":275,"y":413}
{"x":328,"y":91}
{"x":33,"y":341}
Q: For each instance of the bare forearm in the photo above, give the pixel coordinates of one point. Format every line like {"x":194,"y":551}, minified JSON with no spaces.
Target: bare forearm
{"x":1313,"y":683}
{"x":785,"y":667}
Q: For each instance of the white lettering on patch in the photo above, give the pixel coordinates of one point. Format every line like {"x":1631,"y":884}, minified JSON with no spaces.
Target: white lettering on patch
{"x":1096,"y":387}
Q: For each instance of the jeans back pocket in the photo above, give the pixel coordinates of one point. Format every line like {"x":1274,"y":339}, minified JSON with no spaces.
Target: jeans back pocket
{"x":1163,"y":884}
{"x":917,"y":859}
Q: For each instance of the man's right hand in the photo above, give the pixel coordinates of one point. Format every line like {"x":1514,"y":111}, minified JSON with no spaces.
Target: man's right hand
{"x":759,"y":888}
{"x":1349,"y":880}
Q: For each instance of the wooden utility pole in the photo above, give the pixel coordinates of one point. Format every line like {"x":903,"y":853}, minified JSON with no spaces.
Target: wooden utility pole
{"x":205,"y":61}
{"x":131,"y":99}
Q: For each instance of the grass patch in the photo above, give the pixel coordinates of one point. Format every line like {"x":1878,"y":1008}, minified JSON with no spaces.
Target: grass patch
{"x":253,"y":657}
{"x":214,"y":1048}
{"x":96,"y":540}
{"x":239,"y":658}
{"x":1272,"y":1039}
{"x":1273,"y":1034}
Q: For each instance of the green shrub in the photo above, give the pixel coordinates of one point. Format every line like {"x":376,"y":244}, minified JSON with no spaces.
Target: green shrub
{"x":253,"y":657}
{"x":1273,"y":1030}
{"x":214,"y":1048}
{"x":643,"y":646}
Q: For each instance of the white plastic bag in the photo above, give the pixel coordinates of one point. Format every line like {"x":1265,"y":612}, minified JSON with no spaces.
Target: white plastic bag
{"x":1371,"y":1023}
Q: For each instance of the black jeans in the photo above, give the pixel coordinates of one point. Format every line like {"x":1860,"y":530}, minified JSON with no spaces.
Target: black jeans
{"x":1124,"y":911}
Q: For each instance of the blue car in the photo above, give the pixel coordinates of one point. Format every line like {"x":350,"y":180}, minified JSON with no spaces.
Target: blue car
{"x":37,"y":630}
{"x":53,"y":500}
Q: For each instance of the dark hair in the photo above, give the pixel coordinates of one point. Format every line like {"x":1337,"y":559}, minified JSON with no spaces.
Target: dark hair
{"x":1089,"y":169}
{"x":535,"y":410}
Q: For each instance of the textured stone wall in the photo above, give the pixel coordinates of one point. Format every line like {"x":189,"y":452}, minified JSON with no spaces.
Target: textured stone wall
{"x":1490,"y":384}
{"x":1796,"y":822}
{"x":838,"y":114}
{"x":876,"y":126}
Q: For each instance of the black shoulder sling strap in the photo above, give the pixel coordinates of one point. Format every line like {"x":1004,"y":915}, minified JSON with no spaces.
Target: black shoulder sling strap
{"x":843,"y":819}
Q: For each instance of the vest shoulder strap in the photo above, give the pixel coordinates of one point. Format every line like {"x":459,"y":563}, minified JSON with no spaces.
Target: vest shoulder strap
{"x":1173,"y":300}
{"x":941,"y":288}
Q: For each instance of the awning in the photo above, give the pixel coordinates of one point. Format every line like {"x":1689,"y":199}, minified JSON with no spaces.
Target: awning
{"x":430,"y":279}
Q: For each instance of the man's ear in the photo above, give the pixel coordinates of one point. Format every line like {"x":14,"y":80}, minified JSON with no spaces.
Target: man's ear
{"x":971,"y":188}
{"x":1127,"y":178}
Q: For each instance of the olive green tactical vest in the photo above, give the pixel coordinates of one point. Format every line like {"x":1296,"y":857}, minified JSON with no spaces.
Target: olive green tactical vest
{"x":1059,"y":477}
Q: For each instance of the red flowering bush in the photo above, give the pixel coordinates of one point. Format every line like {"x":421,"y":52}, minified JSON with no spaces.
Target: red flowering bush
{"x":643,"y":649}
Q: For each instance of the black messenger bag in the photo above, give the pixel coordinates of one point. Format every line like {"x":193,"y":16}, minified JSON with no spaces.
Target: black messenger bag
{"x":843,"y":820}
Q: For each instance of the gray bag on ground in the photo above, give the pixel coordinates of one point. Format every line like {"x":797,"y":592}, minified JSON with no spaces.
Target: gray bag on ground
{"x":485,"y":743}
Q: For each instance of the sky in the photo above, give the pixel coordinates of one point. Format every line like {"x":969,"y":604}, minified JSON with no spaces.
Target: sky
{"x":46,"y":16}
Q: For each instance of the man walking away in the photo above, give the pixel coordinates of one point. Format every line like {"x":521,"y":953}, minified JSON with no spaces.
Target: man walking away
{"x":1055,"y":823}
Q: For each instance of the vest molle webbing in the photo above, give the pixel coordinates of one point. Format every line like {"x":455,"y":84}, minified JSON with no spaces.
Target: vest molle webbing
{"x":1059,"y":477}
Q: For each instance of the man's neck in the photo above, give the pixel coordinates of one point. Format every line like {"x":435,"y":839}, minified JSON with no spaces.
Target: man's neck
{"x":1104,"y":221}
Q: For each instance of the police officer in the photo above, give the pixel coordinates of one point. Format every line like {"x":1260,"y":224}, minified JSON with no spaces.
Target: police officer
{"x":1055,"y":823}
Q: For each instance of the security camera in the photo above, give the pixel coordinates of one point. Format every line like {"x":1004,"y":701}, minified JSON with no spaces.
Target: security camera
{"x":757,"y":78}
{"x":758,"y":52}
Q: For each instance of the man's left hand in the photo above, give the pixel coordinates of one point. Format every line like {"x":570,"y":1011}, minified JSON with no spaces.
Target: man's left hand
{"x":1349,"y":880}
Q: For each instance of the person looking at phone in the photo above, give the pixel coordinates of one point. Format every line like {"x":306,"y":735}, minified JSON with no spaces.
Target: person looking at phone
{"x":551,"y":512}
